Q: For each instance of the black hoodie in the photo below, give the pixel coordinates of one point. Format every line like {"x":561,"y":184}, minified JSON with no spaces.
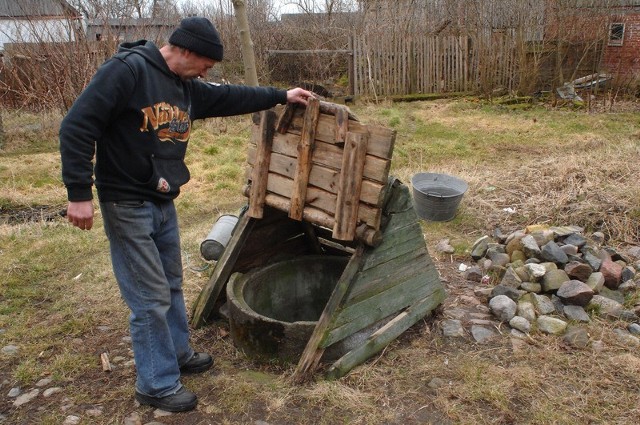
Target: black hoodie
{"x":136,"y":116}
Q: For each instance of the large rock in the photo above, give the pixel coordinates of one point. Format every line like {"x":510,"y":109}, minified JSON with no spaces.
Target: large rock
{"x":482,"y":334}
{"x":628,"y":273}
{"x":527,"y":310}
{"x":498,"y":258}
{"x":535,"y":272}
{"x":590,"y":255}
{"x":509,"y":291}
{"x":531,"y":287}
{"x":551,"y":325}
{"x":474,"y":274}
{"x":575,"y":240}
{"x":542,"y":236}
{"x":520,"y":323}
{"x":576,"y":313}
{"x":503,"y":307}
{"x":612,"y":273}
{"x":511,"y":278}
{"x":530,"y":247}
{"x":452,"y":328}
{"x":553,"y":280}
{"x":605,"y":306}
{"x":570,"y":250}
{"x":578,"y":270}
{"x":563,"y":231}
{"x":613,"y":294}
{"x":479,"y":248}
{"x":543,"y":304}
{"x":626,"y":338}
{"x":575,"y":292}
{"x":514,"y":242}
{"x":552,"y":252}
{"x":576,"y":336}
{"x":595,"y":281}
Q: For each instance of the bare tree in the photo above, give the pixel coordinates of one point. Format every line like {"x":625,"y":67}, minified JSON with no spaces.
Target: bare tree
{"x":1,"y":132}
{"x":248,"y":58}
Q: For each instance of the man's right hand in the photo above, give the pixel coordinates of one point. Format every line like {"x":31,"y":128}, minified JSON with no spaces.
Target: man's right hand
{"x":80,"y":214}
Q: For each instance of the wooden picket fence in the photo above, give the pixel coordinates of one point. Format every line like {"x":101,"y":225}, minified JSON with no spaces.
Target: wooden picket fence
{"x":399,"y":65}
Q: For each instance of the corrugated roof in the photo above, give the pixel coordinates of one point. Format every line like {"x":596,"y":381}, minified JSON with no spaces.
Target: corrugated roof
{"x":27,"y":8}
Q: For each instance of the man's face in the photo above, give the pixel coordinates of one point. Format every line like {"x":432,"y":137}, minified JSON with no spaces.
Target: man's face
{"x":195,"y":65}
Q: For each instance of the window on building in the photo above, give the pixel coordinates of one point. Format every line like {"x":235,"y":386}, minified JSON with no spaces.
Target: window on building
{"x":616,"y":34}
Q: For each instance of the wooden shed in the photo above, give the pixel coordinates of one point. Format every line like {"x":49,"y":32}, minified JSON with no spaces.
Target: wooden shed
{"x":319,"y":184}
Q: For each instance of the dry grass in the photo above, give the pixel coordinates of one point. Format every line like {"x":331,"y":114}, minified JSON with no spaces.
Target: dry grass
{"x":60,"y":305}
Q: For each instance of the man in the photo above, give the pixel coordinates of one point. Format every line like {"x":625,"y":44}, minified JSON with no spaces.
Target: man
{"x":136,"y":116}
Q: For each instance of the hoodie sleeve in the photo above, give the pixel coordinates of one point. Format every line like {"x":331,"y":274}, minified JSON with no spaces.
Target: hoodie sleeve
{"x":84,"y":124}
{"x":215,"y":100}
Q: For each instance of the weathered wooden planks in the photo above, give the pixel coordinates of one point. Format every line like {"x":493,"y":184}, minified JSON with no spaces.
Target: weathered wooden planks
{"x":304,"y":148}
{"x":347,"y":202}
{"x":320,"y":177}
{"x":382,"y":337}
{"x":311,"y":355}
{"x":366,"y":234}
{"x":396,"y":281}
{"x":320,"y":199}
{"x":322,"y":158}
{"x":261,"y":166}
{"x":358,"y":316}
{"x":329,"y":155}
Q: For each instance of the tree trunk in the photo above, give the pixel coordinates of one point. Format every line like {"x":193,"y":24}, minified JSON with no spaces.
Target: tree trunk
{"x":1,"y":133}
{"x":248,"y":58}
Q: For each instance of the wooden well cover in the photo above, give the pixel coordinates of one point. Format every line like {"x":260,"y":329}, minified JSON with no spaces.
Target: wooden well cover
{"x":322,"y":165}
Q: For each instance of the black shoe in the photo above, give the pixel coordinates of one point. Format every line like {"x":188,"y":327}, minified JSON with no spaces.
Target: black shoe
{"x":181,"y":401}
{"x":199,"y":362}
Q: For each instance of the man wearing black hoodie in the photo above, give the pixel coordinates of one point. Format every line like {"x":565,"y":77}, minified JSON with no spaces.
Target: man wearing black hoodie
{"x":136,"y":116}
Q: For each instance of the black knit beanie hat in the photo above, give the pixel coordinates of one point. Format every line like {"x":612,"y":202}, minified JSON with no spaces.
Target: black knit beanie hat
{"x":199,"y":36}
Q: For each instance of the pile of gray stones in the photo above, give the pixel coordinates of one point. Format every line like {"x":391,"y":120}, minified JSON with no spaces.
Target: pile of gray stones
{"x":546,"y":278}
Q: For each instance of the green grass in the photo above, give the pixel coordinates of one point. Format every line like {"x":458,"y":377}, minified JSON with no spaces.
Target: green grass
{"x":60,"y":304}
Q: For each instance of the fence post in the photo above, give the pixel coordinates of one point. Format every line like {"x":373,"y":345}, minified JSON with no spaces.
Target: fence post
{"x":351,"y":65}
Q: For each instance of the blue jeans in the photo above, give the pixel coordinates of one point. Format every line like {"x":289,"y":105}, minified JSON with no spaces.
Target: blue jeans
{"x":145,"y":252}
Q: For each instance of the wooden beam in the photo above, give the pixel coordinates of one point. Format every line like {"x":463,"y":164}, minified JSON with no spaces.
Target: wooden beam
{"x":353,"y":159}
{"x":203,"y":306}
{"x":285,"y":118}
{"x":311,"y":355}
{"x":334,"y":109}
{"x":381,"y":338}
{"x":365,"y":234}
{"x":260,"y":171}
{"x":355,"y":317}
{"x":381,"y":139}
{"x":305,"y":153}
{"x":342,"y":125}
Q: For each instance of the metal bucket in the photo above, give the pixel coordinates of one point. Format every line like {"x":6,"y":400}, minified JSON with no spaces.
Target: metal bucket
{"x":218,"y":238}
{"x":436,"y":196}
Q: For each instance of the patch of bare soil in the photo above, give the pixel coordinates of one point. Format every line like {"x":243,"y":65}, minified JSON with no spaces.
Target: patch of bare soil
{"x":30,"y":214}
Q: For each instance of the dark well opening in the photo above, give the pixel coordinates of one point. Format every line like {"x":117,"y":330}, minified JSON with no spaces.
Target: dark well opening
{"x":295,"y":290}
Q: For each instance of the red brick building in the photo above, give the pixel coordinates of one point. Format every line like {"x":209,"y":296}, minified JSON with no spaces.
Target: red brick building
{"x":621,"y":55}
{"x":607,"y":30}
